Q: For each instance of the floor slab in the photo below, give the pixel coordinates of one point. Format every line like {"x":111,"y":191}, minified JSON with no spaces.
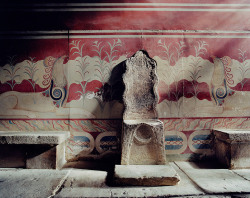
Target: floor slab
{"x":86,"y":178}
{"x":215,"y":181}
{"x":207,"y":196}
{"x":30,"y":183}
{"x":245,"y":173}
{"x":204,"y":183}
{"x":184,"y":188}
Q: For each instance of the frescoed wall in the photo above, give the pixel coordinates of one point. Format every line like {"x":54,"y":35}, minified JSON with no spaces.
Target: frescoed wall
{"x":55,"y":80}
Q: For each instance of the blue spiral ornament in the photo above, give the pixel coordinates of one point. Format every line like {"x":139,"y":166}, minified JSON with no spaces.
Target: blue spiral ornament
{"x":221,"y":92}
{"x":57,"y":93}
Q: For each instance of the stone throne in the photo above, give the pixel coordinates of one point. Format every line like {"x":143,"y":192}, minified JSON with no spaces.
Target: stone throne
{"x":143,"y":160}
{"x":141,"y":126}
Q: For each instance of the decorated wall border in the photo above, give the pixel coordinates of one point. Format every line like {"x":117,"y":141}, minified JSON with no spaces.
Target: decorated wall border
{"x":183,"y":135}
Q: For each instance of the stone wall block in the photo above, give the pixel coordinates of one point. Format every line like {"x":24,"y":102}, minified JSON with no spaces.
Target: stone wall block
{"x":232,"y":148}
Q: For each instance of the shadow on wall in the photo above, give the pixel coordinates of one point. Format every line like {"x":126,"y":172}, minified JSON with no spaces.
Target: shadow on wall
{"x":114,"y":88}
{"x":111,"y":91}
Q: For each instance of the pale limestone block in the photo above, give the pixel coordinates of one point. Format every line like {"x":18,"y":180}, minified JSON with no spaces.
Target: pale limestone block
{"x":61,"y":155}
{"x":232,"y":148}
{"x":145,"y":175}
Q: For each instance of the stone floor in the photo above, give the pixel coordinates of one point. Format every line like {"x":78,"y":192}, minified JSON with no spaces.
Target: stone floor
{"x":197,"y":180}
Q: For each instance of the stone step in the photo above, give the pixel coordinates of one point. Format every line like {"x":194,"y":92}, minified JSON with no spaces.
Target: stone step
{"x":145,"y":175}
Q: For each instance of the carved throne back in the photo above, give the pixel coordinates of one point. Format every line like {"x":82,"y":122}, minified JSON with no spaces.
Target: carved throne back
{"x":140,"y":80}
{"x":141,"y":127}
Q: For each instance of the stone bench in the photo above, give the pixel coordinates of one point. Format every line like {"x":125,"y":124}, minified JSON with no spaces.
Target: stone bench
{"x":232,"y":148}
{"x":33,"y":150}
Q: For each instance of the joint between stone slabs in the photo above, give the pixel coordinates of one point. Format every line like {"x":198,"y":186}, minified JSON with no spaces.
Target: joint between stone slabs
{"x":240,"y":175}
{"x":111,"y":193}
{"x":191,"y":179}
{"x":59,"y":187}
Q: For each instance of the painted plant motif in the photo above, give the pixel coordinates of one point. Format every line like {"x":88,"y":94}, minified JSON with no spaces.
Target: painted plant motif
{"x":31,"y":70}
{"x":105,"y":58}
{"x":12,"y":73}
{"x":200,"y":48}
{"x":243,"y":69}
{"x":172,"y":52}
{"x":174,"y":91}
{"x":198,"y":90}
{"x":185,"y":72}
{"x":82,"y":64}
{"x":187,"y":78}
{"x":49,"y":99}
{"x":189,"y":71}
{"x":105,"y":63}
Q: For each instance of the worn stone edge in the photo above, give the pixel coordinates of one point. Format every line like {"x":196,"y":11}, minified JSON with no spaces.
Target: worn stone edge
{"x":232,"y":137}
{"x":36,"y":137}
